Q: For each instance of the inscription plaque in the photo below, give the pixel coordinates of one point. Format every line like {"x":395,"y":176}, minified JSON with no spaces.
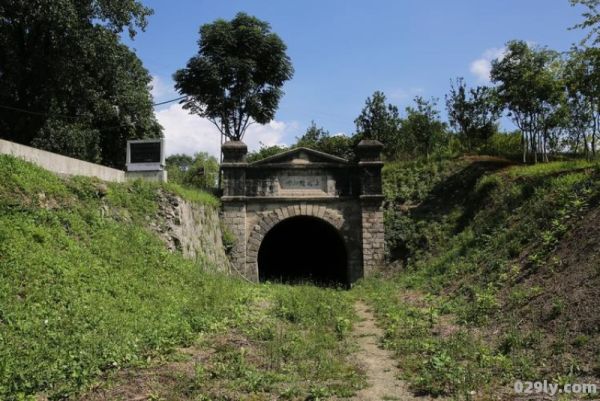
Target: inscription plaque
{"x":299,"y":184}
{"x":148,"y":152}
{"x":302,"y":182}
{"x":145,"y":155}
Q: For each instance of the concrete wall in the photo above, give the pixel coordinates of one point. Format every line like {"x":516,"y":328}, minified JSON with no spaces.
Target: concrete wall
{"x":152,"y":176}
{"x":60,"y":164}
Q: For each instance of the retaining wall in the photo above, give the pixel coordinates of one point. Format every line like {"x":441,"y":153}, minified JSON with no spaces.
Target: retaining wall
{"x":60,"y":164}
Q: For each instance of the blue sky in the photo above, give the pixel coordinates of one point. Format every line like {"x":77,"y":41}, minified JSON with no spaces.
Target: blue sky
{"x":344,"y":50}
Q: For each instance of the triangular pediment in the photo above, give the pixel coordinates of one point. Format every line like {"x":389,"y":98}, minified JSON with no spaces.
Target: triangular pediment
{"x":301,"y":156}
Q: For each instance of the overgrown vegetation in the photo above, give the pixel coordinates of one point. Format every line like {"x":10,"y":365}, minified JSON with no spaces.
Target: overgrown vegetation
{"x":492,"y":290}
{"x":198,"y":172}
{"x":92,"y":92}
{"x":483,"y":297}
{"x":86,"y":290}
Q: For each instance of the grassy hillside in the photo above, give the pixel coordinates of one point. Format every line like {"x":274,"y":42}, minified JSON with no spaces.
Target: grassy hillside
{"x":501,"y":272}
{"x":87,"y":291}
{"x":495,"y":278}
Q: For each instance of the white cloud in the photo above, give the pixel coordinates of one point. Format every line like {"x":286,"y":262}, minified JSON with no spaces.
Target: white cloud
{"x":482,"y":67}
{"x":187,"y":133}
{"x":162,"y":88}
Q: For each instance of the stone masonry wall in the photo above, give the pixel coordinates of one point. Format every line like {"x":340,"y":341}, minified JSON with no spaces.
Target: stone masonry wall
{"x":344,"y":216}
{"x":305,"y":182}
{"x":234,"y":218}
{"x":373,"y":237}
{"x":192,"y":228}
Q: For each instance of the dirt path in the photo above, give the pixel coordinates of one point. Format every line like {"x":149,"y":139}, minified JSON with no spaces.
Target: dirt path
{"x":378,"y":363}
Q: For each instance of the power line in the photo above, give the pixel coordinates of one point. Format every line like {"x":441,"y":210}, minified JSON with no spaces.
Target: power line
{"x":76,"y":117}
{"x":169,"y":101}
{"x":37,"y":113}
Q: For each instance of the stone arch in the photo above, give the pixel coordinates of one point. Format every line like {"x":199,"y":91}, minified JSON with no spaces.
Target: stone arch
{"x":301,"y":185}
{"x":272,"y":218}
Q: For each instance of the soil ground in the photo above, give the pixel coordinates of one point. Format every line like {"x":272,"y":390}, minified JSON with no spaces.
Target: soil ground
{"x":379,"y":365}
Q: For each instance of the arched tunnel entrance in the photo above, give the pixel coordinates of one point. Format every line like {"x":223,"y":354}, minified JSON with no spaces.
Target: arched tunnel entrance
{"x":303,"y":248}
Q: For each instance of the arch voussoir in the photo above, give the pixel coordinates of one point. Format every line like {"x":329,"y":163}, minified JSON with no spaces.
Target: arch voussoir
{"x":270,"y":219}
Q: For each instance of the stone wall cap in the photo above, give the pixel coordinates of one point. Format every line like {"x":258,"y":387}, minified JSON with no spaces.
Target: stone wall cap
{"x":233,"y":198}
{"x":235,"y":144}
{"x":369,"y":150}
{"x":285,"y":156}
{"x":234,"y":164}
{"x":294,"y":199}
{"x":371,"y":163}
{"x":372,"y":197}
{"x":292,"y":166}
{"x":371,"y":143}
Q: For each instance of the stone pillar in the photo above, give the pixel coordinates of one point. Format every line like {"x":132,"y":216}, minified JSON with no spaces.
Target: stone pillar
{"x":234,"y":169}
{"x":371,"y":199}
{"x":234,"y":200}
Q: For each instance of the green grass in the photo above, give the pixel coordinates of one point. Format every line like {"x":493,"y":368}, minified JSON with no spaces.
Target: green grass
{"x":299,"y":346}
{"x":544,"y":169}
{"x":456,"y":363}
{"x":504,"y":227}
{"x":192,"y":195}
{"x":86,"y":289}
{"x":411,"y":181}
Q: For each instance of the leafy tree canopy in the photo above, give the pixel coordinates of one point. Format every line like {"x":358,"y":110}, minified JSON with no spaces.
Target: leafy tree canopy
{"x":237,"y":75}
{"x":319,"y":139}
{"x":529,"y":85}
{"x":67,"y":83}
{"x":591,"y":19}
{"x":582,"y":82}
{"x":199,"y":171}
{"x":423,"y":127}
{"x":472,"y":112}
{"x":379,"y":120}
{"x":265,"y":151}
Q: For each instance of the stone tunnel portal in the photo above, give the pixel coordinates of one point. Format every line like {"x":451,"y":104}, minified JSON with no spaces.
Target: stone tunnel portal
{"x":303,"y":248}
{"x":304,"y":215}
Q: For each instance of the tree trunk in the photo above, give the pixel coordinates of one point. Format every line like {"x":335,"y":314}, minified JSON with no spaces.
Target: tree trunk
{"x":586,"y":149}
{"x":220,"y":163}
{"x":524,"y":143}
{"x":594,"y":131}
{"x":534,"y":146}
{"x":545,"y":148}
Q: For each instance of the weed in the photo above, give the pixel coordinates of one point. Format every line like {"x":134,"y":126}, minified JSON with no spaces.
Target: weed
{"x":86,"y":289}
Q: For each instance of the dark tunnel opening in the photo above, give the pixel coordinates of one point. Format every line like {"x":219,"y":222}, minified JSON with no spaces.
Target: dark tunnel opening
{"x":303,"y":249}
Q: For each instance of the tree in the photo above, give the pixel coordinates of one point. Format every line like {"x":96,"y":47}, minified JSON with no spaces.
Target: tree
{"x":312,"y":136}
{"x":591,"y":19}
{"x":380,"y":121}
{"x":582,"y":78}
{"x":177,"y":165}
{"x":198,"y":172}
{"x":265,"y":151}
{"x":237,"y":75}
{"x":529,"y":86}
{"x":423,"y":126}
{"x":318,"y":138}
{"x":472,"y":112}
{"x":67,"y":84}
